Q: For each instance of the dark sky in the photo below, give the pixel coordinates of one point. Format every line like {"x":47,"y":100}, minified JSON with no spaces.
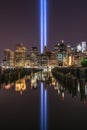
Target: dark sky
{"x":20,"y":22}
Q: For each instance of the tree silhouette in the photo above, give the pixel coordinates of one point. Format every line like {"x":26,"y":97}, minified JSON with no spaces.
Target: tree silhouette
{"x":84,"y":63}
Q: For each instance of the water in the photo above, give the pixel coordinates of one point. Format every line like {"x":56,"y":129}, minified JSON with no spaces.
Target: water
{"x":39,"y":102}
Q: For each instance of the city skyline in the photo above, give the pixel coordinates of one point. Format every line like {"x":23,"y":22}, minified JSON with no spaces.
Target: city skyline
{"x":20,"y":22}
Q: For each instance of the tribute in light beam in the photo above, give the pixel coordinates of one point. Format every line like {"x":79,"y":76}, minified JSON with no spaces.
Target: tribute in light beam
{"x":43,"y":108}
{"x":43,"y":24}
{"x":43,"y":43}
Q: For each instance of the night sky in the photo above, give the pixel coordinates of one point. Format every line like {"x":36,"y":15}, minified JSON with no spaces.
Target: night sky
{"x":20,"y":23}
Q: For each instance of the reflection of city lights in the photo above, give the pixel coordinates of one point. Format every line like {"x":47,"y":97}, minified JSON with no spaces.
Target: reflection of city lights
{"x":33,"y":82}
{"x":28,"y":77}
{"x":56,"y":87}
{"x":53,"y":82}
{"x":58,"y":91}
{"x":42,"y":104}
{"x":50,"y":69}
{"x":43,"y":107}
{"x":78,"y":87}
{"x":7,"y":86}
{"x":86,"y":89}
{"x":62,"y":95}
{"x":70,"y":60}
{"x":20,"y":85}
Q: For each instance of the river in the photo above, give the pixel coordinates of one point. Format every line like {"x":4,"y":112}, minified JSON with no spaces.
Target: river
{"x":39,"y":102}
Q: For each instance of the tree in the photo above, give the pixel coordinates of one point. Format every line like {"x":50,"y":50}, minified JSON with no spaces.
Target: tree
{"x":84,"y":62}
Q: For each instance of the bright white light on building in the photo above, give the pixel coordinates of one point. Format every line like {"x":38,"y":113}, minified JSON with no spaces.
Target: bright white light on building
{"x":79,"y":48}
{"x":83,"y":46}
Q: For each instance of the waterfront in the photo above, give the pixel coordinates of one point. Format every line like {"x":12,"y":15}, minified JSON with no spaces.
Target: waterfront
{"x":20,"y":104}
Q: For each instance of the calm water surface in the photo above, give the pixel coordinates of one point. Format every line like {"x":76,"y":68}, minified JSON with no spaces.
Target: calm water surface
{"x":39,"y":102}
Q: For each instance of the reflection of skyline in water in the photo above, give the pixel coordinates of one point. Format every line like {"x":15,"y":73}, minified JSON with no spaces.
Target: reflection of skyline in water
{"x":43,"y":107}
{"x":49,"y":81}
{"x":22,"y":108}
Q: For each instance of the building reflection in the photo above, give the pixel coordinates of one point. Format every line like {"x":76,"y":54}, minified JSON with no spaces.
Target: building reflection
{"x":42,"y":77}
{"x":8,"y":86}
{"x":82,"y":91}
{"x":33,"y":81}
{"x":46,"y":77}
{"x":20,"y":85}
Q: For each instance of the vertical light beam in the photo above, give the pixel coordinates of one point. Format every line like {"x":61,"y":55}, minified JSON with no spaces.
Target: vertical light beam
{"x":45,"y":109}
{"x":43,"y":43}
{"x":43,"y":24}
{"x":42,"y":107}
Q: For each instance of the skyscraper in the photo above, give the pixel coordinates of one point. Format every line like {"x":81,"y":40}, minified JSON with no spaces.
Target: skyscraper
{"x":20,"y":55}
{"x":83,"y":46}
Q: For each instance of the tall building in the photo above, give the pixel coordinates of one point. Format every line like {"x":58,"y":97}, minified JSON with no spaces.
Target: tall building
{"x":20,"y":55}
{"x":56,"y":47}
{"x":34,"y":50}
{"x":79,"y":48}
{"x":83,"y":46}
{"x":8,"y":58}
{"x":68,"y":49}
{"x":34,"y":56}
{"x":42,"y":60}
{"x":61,"y":53}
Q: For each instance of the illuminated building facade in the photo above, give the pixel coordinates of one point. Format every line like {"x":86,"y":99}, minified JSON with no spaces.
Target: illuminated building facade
{"x":34,"y":56}
{"x":83,"y":46}
{"x":43,"y":43}
{"x":20,"y":55}
{"x":8,"y":58}
{"x":42,"y":60}
{"x":61,"y":53}
{"x":68,"y":49}
{"x":53,"y":59}
{"x":79,"y":48}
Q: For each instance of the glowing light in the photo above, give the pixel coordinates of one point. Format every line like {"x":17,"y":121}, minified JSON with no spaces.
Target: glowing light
{"x":42,"y":104}
{"x":20,"y":85}
{"x":70,"y":60}
{"x":62,"y":95}
{"x":79,"y":48}
{"x":7,"y":86}
{"x":43,"y":43}
{"x":43,"y":24}
{"x":45,"y":110}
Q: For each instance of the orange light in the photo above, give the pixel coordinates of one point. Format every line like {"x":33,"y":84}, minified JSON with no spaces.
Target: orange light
{"x":20,"y":85}
{"x":70,"y":60}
